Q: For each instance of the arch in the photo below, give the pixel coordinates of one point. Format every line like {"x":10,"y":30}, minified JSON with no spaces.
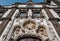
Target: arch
{"x":30,"y":38}
{"x":29,"y":24}
{"x":16,"y":28}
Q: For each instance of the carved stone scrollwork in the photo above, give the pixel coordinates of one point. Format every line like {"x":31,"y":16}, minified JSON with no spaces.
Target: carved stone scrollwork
{"x":29,"y":25}
{"x":16,"y":31}
{"x":41,"y":30}
{"x":29,"y":28}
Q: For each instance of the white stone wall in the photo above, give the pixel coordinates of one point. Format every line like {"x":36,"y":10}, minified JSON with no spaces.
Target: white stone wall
{"x":51,"y":32}
{"x":6,"y":13}
{"x":54,"y":13}
{"x":53,"y":3}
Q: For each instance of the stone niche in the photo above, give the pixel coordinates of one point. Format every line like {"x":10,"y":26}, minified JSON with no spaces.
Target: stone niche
{"x":29,"y":25}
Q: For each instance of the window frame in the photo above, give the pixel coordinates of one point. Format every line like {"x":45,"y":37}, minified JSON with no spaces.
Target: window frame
{"x":22,"y":11}
{"x":38,"y":11}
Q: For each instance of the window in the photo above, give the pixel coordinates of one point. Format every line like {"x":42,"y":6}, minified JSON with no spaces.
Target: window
{"x":36,"y":14}
{"x":22,"y":14}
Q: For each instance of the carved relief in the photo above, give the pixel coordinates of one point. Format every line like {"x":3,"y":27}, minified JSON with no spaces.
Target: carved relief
{"x":41,"y":30}
{"x":32,"y":29}
{"x":16,"y":32}
{"x":29,"y":25}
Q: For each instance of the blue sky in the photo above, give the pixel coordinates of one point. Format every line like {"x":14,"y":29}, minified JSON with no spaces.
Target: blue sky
{"x":9,"y":2}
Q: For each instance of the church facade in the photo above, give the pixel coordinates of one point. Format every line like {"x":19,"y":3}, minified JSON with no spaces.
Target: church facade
{"x":30,"y":21}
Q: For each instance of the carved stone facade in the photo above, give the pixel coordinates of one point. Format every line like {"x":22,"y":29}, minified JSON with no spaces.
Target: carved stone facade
{"x":30,"y":22}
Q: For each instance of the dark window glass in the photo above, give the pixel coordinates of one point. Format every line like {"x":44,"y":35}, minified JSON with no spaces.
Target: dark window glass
{"x":22,"y":15}
{"x":36,"y":14}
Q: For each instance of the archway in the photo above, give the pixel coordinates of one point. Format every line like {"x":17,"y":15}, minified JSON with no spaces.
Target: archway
{"x":29,"y":39}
